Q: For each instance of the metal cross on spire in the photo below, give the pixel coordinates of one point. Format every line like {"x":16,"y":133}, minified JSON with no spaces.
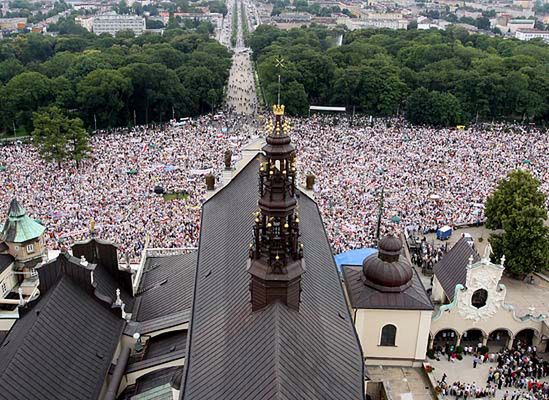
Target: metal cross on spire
{"x":279,"y":64}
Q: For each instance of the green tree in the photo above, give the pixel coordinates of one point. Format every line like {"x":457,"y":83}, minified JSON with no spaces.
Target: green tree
{"x":23,"y":95}
{"x":10,"y":68}
{"x":78,"y":140}
{"x":48,"y":135}
{"x":520,"y":189}
{"x":102,"y":95}
{"x":518,"y":207}
{"x":58,"y":138}
{"x":433,"y":108}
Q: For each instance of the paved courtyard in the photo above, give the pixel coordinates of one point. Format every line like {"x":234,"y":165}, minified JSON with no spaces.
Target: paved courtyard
{"x":463,"y":371}
{"x":403,"y":383}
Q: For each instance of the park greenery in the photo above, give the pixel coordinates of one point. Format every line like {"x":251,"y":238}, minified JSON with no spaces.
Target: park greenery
{"x":244,"y":19}
{"x":433,"y":77}
{"x":59,"y":138}
{"x":110,"y":81}
{"x":517,"y":207}
{"x":234,"y":24}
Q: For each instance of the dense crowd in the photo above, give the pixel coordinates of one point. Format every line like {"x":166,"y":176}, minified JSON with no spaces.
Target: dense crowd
{"x":115,"y":186}
{"x":431,"y":177}
{"x":241,"y":97}
{"x":519,"y":374}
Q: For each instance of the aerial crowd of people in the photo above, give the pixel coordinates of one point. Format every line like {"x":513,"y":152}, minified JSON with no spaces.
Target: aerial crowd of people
{"x":519,"y":373}
{"x":430,"y":177}
{"x":114,"y":190}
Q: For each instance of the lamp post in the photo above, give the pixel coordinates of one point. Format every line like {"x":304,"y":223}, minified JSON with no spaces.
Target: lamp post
{"x":380,"y":171}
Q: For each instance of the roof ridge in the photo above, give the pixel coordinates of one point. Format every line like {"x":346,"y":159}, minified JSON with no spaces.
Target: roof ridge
{"x":278,"y":337}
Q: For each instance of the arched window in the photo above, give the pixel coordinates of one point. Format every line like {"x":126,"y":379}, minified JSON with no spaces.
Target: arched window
{"x":478,"y":300}
{"x":388,"y":335}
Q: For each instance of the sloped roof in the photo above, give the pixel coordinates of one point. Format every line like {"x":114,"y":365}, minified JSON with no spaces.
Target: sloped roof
{"x":451,"y":270}
{"x":276,"y":352}
{"x":166,"y":286}
{"x":19,"y":227}
{"x":362,"y":296}
{"x":62,"y":348}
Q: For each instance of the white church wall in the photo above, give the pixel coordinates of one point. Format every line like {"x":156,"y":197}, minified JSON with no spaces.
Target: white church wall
{"x":411,"y":337}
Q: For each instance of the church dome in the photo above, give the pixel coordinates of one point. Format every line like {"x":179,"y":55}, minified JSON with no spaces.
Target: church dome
{"x":386,"y":271}
{"x":390,"y":245}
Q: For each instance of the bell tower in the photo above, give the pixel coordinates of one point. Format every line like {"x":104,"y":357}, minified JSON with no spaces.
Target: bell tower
{"x":276,"y":257}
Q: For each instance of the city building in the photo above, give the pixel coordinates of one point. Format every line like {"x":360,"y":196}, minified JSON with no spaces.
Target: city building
{"x":85,"y":22}
{"x":376,"y":20}
{"x":215,"y":18}
{"x":112,"y":23}
{"x":21,"y":250}
{"x":514,"y":25}
{"x":528,"y":34}
{"x":12,"y":24}
{"x":526,"y":4}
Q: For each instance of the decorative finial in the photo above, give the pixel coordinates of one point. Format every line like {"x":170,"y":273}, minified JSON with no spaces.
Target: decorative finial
{"x":21,"y":299}
{"x":278,"y":109}
{"x":118,"y":301}
{"x":502,"y":260}
{"x":83,"y":261}
{"x":470,"y":261}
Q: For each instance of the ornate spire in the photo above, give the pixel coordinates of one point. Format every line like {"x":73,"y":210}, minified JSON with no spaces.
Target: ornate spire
{"x":276,"y":263}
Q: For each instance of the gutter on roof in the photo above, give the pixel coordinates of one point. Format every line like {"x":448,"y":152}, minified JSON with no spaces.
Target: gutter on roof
{"x":118,"y":374}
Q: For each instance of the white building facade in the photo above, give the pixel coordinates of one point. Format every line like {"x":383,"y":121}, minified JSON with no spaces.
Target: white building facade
{"x":112,"y":23}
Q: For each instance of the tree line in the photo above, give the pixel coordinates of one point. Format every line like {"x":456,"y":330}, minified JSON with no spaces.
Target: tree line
{"x":433,"y":77}
{"x":110,"y":81}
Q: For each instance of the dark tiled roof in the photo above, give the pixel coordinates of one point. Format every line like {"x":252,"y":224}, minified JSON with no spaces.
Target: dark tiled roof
{"x":166,"y":286}
{"x":5,"y":261}
{"x":273,"y":353}
{"x":3,"y":246}
{"x":107,"y":285}
{"x":107,"y":274}
{"x":452,"y":268}
{"x":61,"y":349}
{"x":362,"y":296}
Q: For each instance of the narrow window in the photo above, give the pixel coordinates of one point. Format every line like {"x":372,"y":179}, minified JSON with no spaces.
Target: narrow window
{"x":388,"y":335}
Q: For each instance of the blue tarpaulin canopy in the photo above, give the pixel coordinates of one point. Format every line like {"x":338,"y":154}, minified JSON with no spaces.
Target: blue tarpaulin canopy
{"x":353,"y":257}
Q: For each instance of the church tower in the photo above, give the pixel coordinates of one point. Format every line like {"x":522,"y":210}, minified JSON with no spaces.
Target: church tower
{"x":276,"y":256}
{"x":23,"y":237}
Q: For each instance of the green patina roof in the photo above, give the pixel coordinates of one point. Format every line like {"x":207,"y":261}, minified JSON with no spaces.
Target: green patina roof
{"x":19,"y":227}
